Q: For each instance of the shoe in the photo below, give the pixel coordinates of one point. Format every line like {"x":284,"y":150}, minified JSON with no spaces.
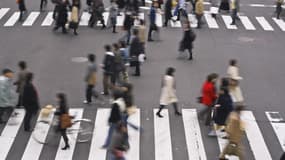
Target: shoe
{"x":190,"y":58}
{"x":223,"y":159}
{"x":178,"y":114}
{"x":65,"y":147}
{"x":159,"y":115}
{"x":136,"y":75}
{"x":150,"y":40}
{"x":103,"y":27}
{"x":233,"y":23}
{"x":86,"y":102}
{"x":114,"y":32}
{"x":28,"y":130}
{"x":75,"y":33}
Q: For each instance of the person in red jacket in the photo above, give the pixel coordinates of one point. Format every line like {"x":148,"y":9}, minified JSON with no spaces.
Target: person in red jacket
{"x":209,"y":96}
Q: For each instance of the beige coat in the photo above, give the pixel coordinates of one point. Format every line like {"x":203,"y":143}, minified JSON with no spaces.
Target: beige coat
{"x":199,"y":7}
{"x":142,"y":33}
{"x":235,"y":128}
{"x":168,"y":92}
{"x":74,"y":15}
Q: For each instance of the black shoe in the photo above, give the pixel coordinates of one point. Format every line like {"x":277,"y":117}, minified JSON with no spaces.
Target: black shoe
{"x":150,"y":40}
{"x":65,"y":147}
{"x":159,"y":115}
{"x":136,"y":75}
{"x":223,"y":159}
{"x":233,"y":23}
{"x":103,"y":27}
{"x":190,"y":58}
{"x":178,"y":113}
{"x":75,"y":33}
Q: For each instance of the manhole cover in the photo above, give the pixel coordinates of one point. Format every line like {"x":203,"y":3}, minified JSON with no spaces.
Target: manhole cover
{"x":246,"y":39}
{"x":79,"y":59}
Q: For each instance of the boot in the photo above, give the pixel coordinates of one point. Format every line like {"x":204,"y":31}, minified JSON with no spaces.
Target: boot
{"x":66,"y":147}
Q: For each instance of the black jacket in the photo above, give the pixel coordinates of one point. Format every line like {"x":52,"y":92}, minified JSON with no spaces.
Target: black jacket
{"x":135,"y":47}
{"x":115,"y":116}
{"x":108,"y":63}
{"x":222,"y":112}
{"x":30,"y":98}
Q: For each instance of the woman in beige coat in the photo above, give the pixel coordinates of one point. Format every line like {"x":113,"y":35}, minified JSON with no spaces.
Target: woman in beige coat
{"x":168,"y":92}
{"x":74,"y":21}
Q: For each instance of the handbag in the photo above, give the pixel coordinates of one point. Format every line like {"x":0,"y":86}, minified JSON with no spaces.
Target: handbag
{"x":72,"y":25}
{"x":65,"y":121}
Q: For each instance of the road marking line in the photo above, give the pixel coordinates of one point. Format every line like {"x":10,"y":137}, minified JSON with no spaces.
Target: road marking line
{"x":33,"y":148}
{"x":254,"y":136}
{"x":158,"y":20}
{"x":162,"y":136}
{"x":9,"y":133}
{"x":247,"y":23}
{"x":278,"y":127}
{"x":134,"y":137}
{"x":120,"y":20}
{"x":195,"y":146}
{"x":100,"y":132}
{"x":84,"y":19}
{"x":12,"y":20}
{"x":31,"y":19}
{"x":48,"y":20}
{"x":212,"y":23}
{"x":257,"y":5}
{"x":106,"y":17}
{"x":3,"y":12}
{"x":264,"y":24}
{"x":68,"y":154}
{"x":193,"y":20}
{"x":228,"y":21}
{"x":280,"y":23}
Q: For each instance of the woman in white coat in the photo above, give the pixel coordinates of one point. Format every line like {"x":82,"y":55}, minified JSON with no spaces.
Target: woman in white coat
{"x":168,"y":92}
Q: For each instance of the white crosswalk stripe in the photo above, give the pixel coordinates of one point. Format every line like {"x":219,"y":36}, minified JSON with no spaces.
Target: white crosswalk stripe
{"x":247,"y":23}
{"x":12,"y":20}
{"x":48,"y":19}
{"x":120,"y":20}
{"x":3,"y":12}
{"x":84,"y":19}
{"x":228,"y":21}
{"x":264,"y":24}
{"x":280,"y":23}
{"x":162,"y":136}
{"x":31,"y":19}
{"x":106,"y":17}
{"x":158,"y":20}
{"x":212,"y":23}
{"x":9,"y":133}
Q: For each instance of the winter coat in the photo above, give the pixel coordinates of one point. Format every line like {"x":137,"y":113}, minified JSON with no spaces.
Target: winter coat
{"x":108,"y":63}
{"x":235,"y":128}
{"x":118,"y":107}
{"x":168,"y":91}
{"x":74,"y":14}
{"x":208,"y":94}
{"x":223,"y":111}
{"x":187,"y":40}
{"x":30,"y":98}
{"x":135,"y":47}
{"x":199,"y":10}
{"x":62,"y":14}
{"x":128,"y":22}
{"x":167,"y":9}
{"x":21,"y":81}
{"x":152,"y":16}
{"x":90,"y":77}
{"x":8,"y":96}
{"x":142,"y":30}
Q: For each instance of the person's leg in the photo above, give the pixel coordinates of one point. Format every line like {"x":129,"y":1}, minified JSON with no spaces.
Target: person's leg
{"x":208,"y":116}
{"x":234,"y":14}
{"x":190,"y":54}
{"x":160,"y":109}
{"x":1,"y":115}
{"x":27,"y":120}
{"x":41,"y":5}
{"x":128,"y":36}
{"x":65,"y":139}
{"x":224,"y":152}
{"x":109,"y":136}
{"x":63,"y":29}
{"x":89,"y":90}
{"x":138,"y":71}
{"x":175,"y":105}
{"x":105,"y":84}
{"x":149,"y":33}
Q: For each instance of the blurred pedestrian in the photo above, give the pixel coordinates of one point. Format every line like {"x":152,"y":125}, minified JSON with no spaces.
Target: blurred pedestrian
{"x":126,"y":59}
{"x":152,"y":20}
{"x":187,"y":42}
{"x":74,"y":22}
{"x":22,"y":8}
{"x":128,"y":24}
{"x":119,"y":66}
{"x":30,"y":101}
{"x":97,"y":14}
{"x":167,"y":12}
{"x":90,"y":78}
{"x":279,"y":4}
{"x":113,"y":15}
{"x":208,"y":99}
{"x":235,"y":10}
{"x":20,"y":82}
{"x":121,"y":5}
{"x":43,"y":4}
{"x":224,"y":6}
{"x":214,"y":9}
{"x":199,"y":12}
{"x":8,"y":96}
{"x":108,"y":68}
{"x":135,"y":51}
{"x":62,"y":15}
{"x":142,"y":35}
{"x":235,"y":131}
{"x":168,"y":92}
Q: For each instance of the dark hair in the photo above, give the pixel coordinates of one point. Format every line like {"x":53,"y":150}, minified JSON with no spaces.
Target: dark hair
{"x":107,"y":47}
{"x":6,"y":70}
{"x":225,"y":90}
{"x":135,"y":31}
{"x":116,"y":46}
{"x":224,"y":82}
{"x":22,"y":65}
{"x":122,"y":44}
{"x":233,"y":62}
{"x":62,"y":102}
{"x":29,"y":77}
{"x":170,"y":71}
{"x":91,"y":57}
{"x":212,"y":76}
{"x":142,"y":22}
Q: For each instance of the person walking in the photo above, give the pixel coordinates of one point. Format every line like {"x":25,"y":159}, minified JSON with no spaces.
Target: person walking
{"x":121,"y":5}
{"x":22,"y":8}
{"x":235,"y":10}
{"x":279,"y":4}
{"x":187,"y":41}
{"x":30,"y":101}
{"x":108,"y":68}
{"x":75,"y":9}
{"x":208,"y":99}
{"x":214,"y":9}
{"x":63,"y":114}
{"x":61,"y":18}
{"x":90,"y":78}
{"x":8,"y":97}
{"x":20,"y":82}
{"x":224,"y":6}
{"x":135,"y":51}
{"x":119,"y":66}
{"x":128,"y":24}
{"x":97,"y":14}
{"x":235,"y":132}
{"x":113,"y":15}
{"x":167,"y":12}
{"x":142,"y":35}
{"x":168,"y":92}
{"x":43,"y":4}
{"x":152,"y":21}
{"x":199,"y":12}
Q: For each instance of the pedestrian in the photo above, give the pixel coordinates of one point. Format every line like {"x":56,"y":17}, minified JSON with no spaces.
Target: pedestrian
{"x":119,"y":66}
{"x":279,"y":4}
{"x":142,"y":34}
{"x":199,"y":12}
{"x":22,"y":8}
{"x":167,"y":12}
{"x":234,"y":80}
{"x":223,"y":108}
{"x":121,"y":5}
{"x":119,"y":143}
{"x":90,"y":78}
{"x":97,"y":14}
{"x":135,"y":51}
{"x":8,"y":97}
{"x":61,"y":18}
{"x":43,"y":4}
{"x":30,"y":101}
{"x":113,"y":15}
{"x":235,"y":132}
{"x":126,"y":59}
{"x":152,"y":20}
{"x":128,"y":24}
{"x":74,"y":21}
{"x":214,"y":9}
{"x":118,"y":107}
{"x":208,"y":99}
{"x":224,"y":6}
{"x":108,"y":68}
{"x":187,"y":41}
{"x":63,"y":118}
{"x":168,"y":92}
{"x":20,"y":82}
{"x":235,"y":10}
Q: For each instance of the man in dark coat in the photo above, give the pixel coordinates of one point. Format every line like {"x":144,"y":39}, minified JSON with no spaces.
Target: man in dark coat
{"x":22,"y":8}
{"x":187,"y":41}
{"x":167,"y":11}
{"x":108,"y":67}
{"x":135,"y":51}
{"x":62,"y":16}
{"x":128,"y":23}
{"x":152,"y":20}
{"x":30,"y":101}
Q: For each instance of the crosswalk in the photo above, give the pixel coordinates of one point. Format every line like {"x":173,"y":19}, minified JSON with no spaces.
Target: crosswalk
{"x":163,"y":136}
{"x":9,"y":18}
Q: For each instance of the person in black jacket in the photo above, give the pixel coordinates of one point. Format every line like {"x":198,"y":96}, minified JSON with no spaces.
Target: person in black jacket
{"x":30,"y":101}
{"x":128,"y":23}
{"x":61,"y":18}
{"x":135,"y":50}
{"x":187,"y":41}
{"x":108,"y":67}
{"x":167,"y":11}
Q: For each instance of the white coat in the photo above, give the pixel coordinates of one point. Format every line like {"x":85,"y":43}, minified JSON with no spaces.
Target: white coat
{"x":168,"y":91}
